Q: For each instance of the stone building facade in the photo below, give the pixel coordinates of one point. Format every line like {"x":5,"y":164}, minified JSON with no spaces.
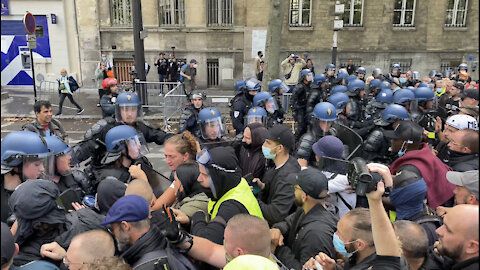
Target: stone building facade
{"x":224,"y":35}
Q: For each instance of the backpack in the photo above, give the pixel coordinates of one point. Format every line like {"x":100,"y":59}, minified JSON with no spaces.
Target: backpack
{"x":73,"y":84}
{"x":164,"y":259}
{"x":181,"y":69}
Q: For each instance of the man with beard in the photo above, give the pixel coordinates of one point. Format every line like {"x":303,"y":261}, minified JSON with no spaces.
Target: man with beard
{"x":139,"y":243}
{"x":463,"y":150}
{"x":189,"y":117}
{"x":466,"y":190}
{"x":310,"y":229}
{"x":458,"y":238}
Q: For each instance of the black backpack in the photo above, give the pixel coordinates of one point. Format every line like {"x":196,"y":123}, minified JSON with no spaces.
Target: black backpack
{"x":164,"y":259}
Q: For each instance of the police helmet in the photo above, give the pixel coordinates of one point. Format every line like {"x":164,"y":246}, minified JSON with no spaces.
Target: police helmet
{"x":383,"y":98}
{"x":424,"y":94}
{"x":306,"y":74}
{"x":252,"y":84}
{"x":57,"y":146}
{"x":339,"y":89}
{"x":361,"y":70}
{"x":396,"y":66}
{"x":350,"y":78}
{"x":325,"y":111}
{"x":119,"y":138}
{"x":432,"y":73}
{"x":277,"y":84}
{"x":339,"y":100}
{"x":330,"y":67}
{"x":240,"y":86}
{"x":354,"y":87}
{"x":377,"y":71}
{"x":256,"y":115}
{"x":319,"y":79}
{"x":403,"y":96}
{"x":394,"y":112}
{"x":385,"y":85}
{"x":463,"y":66}
{"x":422,"y":84}
{"x":197,"y":94}
{"x":375,"y":83}
{"x":128,"y":108}
{"x":211,"y":119}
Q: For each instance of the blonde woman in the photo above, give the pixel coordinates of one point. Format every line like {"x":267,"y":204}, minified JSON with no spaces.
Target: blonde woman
{"x":64,"y":91}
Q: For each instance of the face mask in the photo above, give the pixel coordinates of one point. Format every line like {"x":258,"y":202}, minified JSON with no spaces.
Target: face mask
{"x":267,"y":152}
{"x":340,"y":246}
{"x":439,"y":90}
{"x":195,"y":66}
{"x":246,"y":145}
{"x":402,"y":150}
{"x":403,"y":80}
{"x":104,"y":58}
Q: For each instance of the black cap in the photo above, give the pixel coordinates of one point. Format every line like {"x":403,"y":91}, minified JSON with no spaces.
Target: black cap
{"x":470,"y":93}
{"x":283,"y":135}
{"x":313,"y":182}
{"x":459,"y":85}
{"x":407,"y":130}
{"x":8,"y":245}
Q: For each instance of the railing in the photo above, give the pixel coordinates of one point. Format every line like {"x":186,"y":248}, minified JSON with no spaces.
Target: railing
{"x":152,"y":92}
{"x":48,"y":90}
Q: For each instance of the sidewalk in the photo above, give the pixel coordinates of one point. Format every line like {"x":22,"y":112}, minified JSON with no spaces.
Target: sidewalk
{"x":17,"y":102}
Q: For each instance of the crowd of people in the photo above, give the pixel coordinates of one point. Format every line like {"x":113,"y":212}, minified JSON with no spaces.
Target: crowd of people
{"x":381,"y":172}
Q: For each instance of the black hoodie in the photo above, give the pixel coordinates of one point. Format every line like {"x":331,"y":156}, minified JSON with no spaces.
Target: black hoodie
{"x":252,"y":159}
{"x":222,"y":182}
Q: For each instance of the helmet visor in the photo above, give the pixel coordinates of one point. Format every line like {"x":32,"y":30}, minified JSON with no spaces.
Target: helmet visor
{"x":212,"y":129}
{"x":283,"y":87}
{"x":128,"y":113}
{"x":309,"y":77}
{"x":250,"y":119}
{"x":38,"y":167}
{"x":134,"y":148}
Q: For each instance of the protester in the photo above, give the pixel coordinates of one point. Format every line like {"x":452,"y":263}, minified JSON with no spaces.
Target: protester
{"x":44,"y":124}
{"x":251,"y":157}
{"x":292,"y":66}
{"x":463,"y":150}
{"x":65,"y":91}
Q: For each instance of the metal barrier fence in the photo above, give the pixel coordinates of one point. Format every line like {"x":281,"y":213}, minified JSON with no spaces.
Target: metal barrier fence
{"x":174,"y":103}
{"x":48,"y":90}
{"x":153,"y":92}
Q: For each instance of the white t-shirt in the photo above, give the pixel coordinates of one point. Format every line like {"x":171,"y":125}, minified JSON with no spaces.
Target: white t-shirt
{"x":338,"y":184}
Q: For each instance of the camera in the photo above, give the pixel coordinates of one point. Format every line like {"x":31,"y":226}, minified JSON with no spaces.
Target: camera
{"x":360,"y":179}
{"x":295,"y":57}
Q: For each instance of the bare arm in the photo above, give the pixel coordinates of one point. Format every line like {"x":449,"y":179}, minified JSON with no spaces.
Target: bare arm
{"x":168,"y":197}
{"x":206,"y":251}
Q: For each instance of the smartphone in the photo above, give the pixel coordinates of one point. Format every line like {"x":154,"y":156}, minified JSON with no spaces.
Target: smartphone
{"x":249,"y":178}
{"x":68,"y":197}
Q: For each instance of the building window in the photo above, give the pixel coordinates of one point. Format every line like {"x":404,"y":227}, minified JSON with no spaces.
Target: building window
{"x":219,"y":12}
{"x":300,"y":13}
{"x":353,"y":15}
{"x":449,"y":65}
{"x":212,"y":72}
{"x":122,"y":69}
{"x":121,"y":12}
{"x":172,"y":12}
{"x":456,"y":13}
{"x":405,"y":64}
{"x":356,"y":62}
{"x":404,"y":13}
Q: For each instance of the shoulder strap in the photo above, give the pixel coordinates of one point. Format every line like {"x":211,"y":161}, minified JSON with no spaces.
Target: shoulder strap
{"x":156,"y":255}
{"x":343,"y":200}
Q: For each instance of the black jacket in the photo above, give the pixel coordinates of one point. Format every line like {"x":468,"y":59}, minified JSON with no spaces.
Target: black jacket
{"x":461,"y":162}
{"x":150,"y":241}
{"x":277,"y":198}
{"x":54,"y":126}
{"x":188,"y":121}
{"x":252,"y":159}
{"x":306,"y":235}
{"x":376,"y":262}
{"x":240,"y":104}
{"x":298,"y":101}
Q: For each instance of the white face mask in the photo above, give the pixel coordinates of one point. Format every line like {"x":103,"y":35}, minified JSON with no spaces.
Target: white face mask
{"x":195,"y":66}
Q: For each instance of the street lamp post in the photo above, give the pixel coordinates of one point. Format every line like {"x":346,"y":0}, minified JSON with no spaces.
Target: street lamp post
{"x":337,"y":25}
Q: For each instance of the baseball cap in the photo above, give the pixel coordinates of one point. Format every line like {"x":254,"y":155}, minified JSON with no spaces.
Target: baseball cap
{"x":470,"y":93}
{"x":193,"y":61}
{"x":313,"y":182}
{"x":328,"y":146}
{"x":468,"y":179}
{"x":462,"y":121}
{"x":283,"y":135}
{"x":459,"y":85}
{"x":8,"y":245}
{"x":129,"y":208}
{"x":407,"y":130}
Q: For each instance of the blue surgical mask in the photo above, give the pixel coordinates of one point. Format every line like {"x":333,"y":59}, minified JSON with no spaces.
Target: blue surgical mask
{"x":104,"y":58}
{"x":267,"y":152}
{"x":403,"y":80}
{"x":340,"y":246}
{"x":400,"y":153}
{"x":439,"y":90}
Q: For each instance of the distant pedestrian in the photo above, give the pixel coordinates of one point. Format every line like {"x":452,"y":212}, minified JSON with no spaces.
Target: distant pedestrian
{"x":100,"y":75}
{"x":65,"y":91}
{"x":258,"y":60}
{"x":189,"y":74}
{"x":107,"y":62}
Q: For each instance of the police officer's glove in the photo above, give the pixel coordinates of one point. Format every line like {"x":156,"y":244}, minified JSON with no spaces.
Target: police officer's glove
{"x":173,"y":233}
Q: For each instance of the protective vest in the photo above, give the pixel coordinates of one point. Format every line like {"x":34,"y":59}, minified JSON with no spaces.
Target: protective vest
{"x":441,"y":93}
{"x":242,"y":194}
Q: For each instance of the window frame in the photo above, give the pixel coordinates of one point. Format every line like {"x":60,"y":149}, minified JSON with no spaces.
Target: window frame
{"x":403,"y":10}
{"x":405,"y":64}
{"x":221,"y":14}
{"x":172,"y":11}
{"x":352,"y":15}
{"x":454,"y":12}
{"x":300,"y":14}
{"x":125,"y":10}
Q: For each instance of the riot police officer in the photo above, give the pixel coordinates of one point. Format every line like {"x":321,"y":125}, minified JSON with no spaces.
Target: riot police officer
{"x":330,"y":73}
{"x":375,"y":146}
{"x":376,"y":105}
{"x":108,"y":100}
{"x":212,"y":128}
{"x":24,"y":155}
{"x":266,"y":101}
{"x":361,"y":73}
{"x":276,"y":88}
{"x":341,"y":78}
{"x":350,"y":78}
{"x":396,"y":70}
{"x":426,"y":113}
{"x":339,"y":101}
{"x":128,"y":110}
{"x":319,"y":92}
{"x":189,"y":117}
{"x":298,"y":102}
{"x":377,"y":74}
{"x":242,"y":102}
{"x":63,"y":175}
{"x":323,"y":116}
{"x":403,"y":97}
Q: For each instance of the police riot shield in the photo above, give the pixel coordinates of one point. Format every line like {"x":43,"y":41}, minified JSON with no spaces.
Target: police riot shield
{"x":158,"y":181}
{"x":350,"y":139}
{"x":333,"y":165}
